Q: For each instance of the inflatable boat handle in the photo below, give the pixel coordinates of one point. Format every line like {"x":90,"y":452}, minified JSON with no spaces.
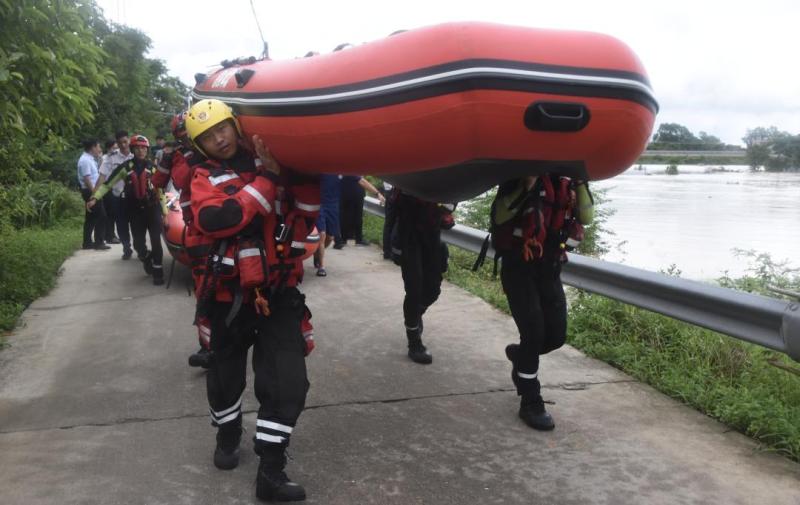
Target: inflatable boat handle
{"x":556,"y":116}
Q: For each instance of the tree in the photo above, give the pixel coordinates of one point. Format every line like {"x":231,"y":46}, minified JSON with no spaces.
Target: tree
{"x":710,"y":142}
{"x":771,"y":148}
{"x":675,"y":133}
{"x":51,"y":69}
{"x":144,"y":97}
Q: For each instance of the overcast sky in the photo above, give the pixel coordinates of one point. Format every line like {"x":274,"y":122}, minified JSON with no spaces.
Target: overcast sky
{"x":716,"y":66}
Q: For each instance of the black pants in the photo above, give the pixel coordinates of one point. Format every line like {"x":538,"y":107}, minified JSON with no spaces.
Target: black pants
{"x":352,"y":218}
{"x":123,"y":223}
{"x":148,"y":220}
{"x":421,"y":263}
{"x":111,"y":205}
{"x":279,"y":363}
{"x":536,"y":299}
{"x":94,"y":221}
{"x":388,"y":225}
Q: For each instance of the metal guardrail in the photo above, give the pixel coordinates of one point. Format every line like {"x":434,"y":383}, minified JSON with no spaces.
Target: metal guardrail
{"x":768,"y":322}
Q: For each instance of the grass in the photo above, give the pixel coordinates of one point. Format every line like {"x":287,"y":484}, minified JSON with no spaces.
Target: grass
{"x":30,"y":259}
{"x":727,"y":379}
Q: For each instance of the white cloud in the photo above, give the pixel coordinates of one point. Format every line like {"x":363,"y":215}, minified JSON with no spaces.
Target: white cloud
{"x":715,"y":66}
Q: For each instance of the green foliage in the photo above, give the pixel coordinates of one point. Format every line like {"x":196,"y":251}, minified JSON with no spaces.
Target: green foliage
{"x":67,"y":74}
{"x":674,"y":136}
{"x":727,"y":379}
{"x":143,"y":98}
{"x":772,"y":149}
{"x":29,"y":264}
{"x":672,"y":170}
{"x":762,"y":273}
{"x":41,"y":204}
{"x":475,"y":212}
{"x":51,"y":69}
{"x":674,"y":133}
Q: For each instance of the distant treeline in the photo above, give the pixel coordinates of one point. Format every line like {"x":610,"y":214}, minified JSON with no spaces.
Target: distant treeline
{"x":767,"y":148}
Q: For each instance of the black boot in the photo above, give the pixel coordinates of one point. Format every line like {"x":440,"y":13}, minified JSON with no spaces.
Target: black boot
{"x":147,"y":263}
{"x":272,"y":483}
{"x":532,"y":411}
{"x":226,"y":455}
{"x":416,"y":351}
{"x":512,"y":352}
{"x":201,"y":358}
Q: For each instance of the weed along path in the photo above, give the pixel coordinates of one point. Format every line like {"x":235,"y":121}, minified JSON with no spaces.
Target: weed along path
{"x":97,"y":405}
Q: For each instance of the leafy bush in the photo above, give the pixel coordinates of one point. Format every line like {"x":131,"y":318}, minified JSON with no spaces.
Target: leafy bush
{"x":29,"y":264}
{"x":40,"y":204}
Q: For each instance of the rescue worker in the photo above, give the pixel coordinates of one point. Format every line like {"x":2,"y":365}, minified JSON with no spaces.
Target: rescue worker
{"x":535,"y":220}
{"x":145,"y":206}
{"x":177,"y":165}
{"x":422,"y":256}
{"x":253,"y":212}
{"x":115,"y":159}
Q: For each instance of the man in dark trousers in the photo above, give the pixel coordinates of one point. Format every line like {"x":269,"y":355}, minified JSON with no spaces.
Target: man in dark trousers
{"x":354,"y":189}
{"x":95,"y":218}
{"x":252,"y":211}
{"x":144,"y":204}
{"x":534,"y":222}
{"x":418,"y":249}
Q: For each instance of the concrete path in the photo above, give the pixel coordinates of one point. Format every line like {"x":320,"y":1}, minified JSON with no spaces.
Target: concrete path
{"x":98,"y":406}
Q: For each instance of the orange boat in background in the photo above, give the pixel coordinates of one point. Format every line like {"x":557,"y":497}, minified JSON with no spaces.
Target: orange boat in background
{"x":448,"y":111}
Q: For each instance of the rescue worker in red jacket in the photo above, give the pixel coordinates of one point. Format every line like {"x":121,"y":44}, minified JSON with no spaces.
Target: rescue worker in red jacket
{"x":144,"y":203}
{"x":535,"y":220}
{"x":252,"y":211}
{"x":422,"y":256}
{"x":177,"y":164}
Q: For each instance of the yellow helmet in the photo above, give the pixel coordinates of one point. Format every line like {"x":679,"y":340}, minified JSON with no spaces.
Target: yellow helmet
{"x":205,"y":114}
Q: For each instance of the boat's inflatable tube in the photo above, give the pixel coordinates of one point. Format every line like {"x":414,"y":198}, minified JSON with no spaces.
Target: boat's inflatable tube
{"x":447,"y":111}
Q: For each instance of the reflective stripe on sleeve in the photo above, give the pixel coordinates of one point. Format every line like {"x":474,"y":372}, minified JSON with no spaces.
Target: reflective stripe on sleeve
{"x":258,"y":196}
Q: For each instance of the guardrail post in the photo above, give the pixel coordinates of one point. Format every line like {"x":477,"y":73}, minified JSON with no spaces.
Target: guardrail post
{"x":790,"y":331}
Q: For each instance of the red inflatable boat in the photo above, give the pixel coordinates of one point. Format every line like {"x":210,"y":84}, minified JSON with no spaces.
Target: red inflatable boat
{"x":174,"y":233}
{"x":448,"y":111}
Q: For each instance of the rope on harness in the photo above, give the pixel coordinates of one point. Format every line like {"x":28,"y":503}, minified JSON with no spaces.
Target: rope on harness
{"x":261,"y":304}
{"x":529,"y":246}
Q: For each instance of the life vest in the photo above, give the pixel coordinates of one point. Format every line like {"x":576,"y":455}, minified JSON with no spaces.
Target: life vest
{"x":517,"y":222}
{"x":560,"y":213}
{"x":418,"y":215}
{"x":265,"y":253}
{"x":138,"y":186}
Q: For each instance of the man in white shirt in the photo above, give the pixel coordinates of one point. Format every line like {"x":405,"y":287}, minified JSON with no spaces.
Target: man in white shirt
{"x":88,"y":174}
{"x":115,"y":197}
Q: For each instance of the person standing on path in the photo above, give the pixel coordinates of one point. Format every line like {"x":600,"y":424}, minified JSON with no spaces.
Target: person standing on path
{"x":120,"y":208}
{"x":88,"y":175}
{"x":144,"y":204}
{"x":328,"y":220}
{"x":254,"y":212}
{"x":354,"y":189}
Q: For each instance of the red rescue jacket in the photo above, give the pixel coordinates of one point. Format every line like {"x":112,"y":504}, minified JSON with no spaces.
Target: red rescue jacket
{"x":255,"y":219}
